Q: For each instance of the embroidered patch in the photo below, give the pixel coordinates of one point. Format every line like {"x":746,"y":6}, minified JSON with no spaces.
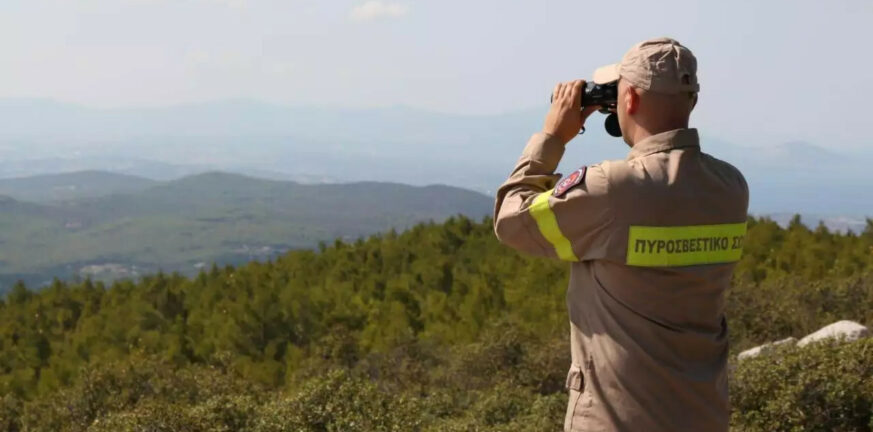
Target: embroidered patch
{"x":571,"y":180}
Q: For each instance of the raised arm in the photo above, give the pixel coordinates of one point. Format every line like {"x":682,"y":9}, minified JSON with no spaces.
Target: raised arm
{"x":537,"y":214}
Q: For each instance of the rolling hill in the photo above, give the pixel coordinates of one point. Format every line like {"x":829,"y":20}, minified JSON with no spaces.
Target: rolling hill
{"x":189,"y":223}
{"x":70,"y":186}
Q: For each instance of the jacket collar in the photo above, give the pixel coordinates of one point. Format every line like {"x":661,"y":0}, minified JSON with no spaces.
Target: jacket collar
{"x":665,"y":141}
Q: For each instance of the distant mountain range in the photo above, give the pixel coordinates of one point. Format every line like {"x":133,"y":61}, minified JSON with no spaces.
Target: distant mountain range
{"x":397,"y":144}
{"x":107,"y":226}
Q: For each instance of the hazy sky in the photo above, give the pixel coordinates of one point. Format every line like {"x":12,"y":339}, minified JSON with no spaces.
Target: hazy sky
{"x":769,"y":70}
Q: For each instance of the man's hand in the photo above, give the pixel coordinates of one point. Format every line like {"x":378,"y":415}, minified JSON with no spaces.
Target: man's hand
{"x":566,"y":116}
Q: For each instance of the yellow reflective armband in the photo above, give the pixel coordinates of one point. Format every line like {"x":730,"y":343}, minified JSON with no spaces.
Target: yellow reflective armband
{"x":548,"y":225}
{"x":685,"y":245}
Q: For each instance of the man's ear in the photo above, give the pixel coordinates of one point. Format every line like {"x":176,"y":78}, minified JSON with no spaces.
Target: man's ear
{"x":631,"y":100}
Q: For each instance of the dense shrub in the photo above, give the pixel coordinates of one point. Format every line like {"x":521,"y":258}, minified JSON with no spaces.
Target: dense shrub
{"x":436,"y":329}
{"x":145,"y":392}
{"x":791,"y":306}
{"x":339,"y":401}
{"x":822,"y":387}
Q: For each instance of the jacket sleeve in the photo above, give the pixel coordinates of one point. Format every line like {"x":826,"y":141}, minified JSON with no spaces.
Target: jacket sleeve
{"x":530,"y":218}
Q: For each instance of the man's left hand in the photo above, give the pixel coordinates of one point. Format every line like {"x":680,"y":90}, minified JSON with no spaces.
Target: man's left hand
{"x":566,"y":116}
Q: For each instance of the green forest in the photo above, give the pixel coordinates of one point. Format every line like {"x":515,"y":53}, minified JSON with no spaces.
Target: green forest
{"x":438,"y":328}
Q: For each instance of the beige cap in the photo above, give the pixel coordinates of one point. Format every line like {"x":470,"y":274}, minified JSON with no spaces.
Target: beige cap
{"x":661,"y":65}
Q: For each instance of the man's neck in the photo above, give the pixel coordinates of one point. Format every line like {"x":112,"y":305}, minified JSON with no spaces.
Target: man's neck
{"x":641,"y":133}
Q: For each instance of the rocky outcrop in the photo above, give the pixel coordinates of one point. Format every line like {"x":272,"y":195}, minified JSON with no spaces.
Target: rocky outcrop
{"x":848,"y":331}
{"x":761,"y":349}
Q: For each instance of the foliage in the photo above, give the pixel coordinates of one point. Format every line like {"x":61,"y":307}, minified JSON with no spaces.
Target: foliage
{"x":824,"y":387}
{"x":436,"y":329}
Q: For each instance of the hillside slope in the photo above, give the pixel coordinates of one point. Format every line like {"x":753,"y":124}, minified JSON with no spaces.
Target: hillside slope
{"x":215,"y":217}
{"x":439,"y":328}
{"x":70,"y":186}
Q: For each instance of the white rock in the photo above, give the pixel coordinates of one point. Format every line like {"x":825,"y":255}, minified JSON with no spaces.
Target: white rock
{"x":847,"y":330}
{"x":760,"y":349}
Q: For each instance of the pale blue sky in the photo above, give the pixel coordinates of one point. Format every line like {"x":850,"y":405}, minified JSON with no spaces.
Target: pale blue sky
{"x":770,"y":71}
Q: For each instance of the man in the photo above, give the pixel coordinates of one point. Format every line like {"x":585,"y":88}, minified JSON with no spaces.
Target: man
{"x":653,"y":240}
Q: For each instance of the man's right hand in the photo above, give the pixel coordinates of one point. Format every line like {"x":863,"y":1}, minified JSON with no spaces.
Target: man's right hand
{"x":566,"y":116}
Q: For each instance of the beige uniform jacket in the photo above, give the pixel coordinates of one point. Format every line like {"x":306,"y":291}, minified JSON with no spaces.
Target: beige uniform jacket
{"x":653,"y":241}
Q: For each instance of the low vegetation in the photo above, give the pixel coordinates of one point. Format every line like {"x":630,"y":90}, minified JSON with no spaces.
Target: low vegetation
{"x":436,"y":329}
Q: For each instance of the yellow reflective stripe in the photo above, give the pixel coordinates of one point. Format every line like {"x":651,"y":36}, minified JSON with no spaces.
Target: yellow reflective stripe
{"x":548,"y":224}
{"x":685,"y":245}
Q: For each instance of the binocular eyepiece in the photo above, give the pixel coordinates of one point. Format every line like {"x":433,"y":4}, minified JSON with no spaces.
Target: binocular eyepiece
{"x":604,"y":96}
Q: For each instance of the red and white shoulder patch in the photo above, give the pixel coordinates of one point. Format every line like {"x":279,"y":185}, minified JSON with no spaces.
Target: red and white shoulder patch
{"x":567,"y":183}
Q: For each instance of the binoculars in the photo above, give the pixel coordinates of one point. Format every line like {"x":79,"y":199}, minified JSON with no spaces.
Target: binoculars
{"x":604,"y":96}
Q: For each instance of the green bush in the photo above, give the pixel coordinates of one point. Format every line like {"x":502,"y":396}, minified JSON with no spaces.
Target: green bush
{"x":339,"y":401}
{"x":822,"y":387}
{"x":826,"y":386}
{"x":144,"y":394}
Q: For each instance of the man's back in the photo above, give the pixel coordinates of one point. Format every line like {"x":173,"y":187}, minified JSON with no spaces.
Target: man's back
{"x":650,"y":339}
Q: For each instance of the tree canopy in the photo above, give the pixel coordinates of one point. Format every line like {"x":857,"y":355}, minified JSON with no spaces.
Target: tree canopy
{"x":438,"y":327}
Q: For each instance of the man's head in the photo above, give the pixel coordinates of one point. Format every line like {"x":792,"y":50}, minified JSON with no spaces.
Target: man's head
{"x":657,"y":88}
